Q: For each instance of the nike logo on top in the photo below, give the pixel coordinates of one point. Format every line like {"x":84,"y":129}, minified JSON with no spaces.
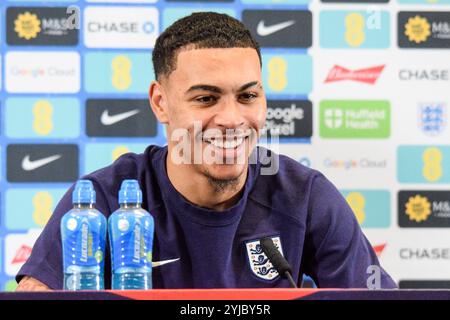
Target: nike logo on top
{"x":163,"y":262}
{"x":264,"y":30}
{"x":29,"y":165}
{"x":108,"y":120}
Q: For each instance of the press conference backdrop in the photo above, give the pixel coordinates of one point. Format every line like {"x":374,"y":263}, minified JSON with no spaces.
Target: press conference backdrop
{"x":357,"y":89}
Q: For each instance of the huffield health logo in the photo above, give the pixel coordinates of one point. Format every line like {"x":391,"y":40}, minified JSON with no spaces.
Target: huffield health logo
{"x":42,"y":26}
{"x":424,"y":29}
{"x":424,"y":209}
{"x":353,"y":119}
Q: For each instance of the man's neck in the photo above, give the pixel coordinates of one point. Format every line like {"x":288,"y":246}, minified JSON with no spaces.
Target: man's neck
{"x":195,"y":187}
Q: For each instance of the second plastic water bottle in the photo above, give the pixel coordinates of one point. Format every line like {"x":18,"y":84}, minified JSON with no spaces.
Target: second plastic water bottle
{"x":131,"y":238}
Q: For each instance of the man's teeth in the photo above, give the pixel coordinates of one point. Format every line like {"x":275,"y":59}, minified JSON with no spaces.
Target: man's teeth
{"x":227,"y":144}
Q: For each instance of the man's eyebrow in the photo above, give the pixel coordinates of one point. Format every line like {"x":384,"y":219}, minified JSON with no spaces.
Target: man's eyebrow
{"x":207,"y":87}
{"x":204,"y":87}
{"x":249,"y":85}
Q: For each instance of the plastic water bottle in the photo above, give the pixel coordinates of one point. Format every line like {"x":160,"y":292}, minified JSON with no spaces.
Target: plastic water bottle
{"x":83,"y":232}
{"x":131,"y":231}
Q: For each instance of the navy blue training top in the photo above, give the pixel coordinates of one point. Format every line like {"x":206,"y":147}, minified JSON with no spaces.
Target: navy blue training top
{"x":194,"y":247}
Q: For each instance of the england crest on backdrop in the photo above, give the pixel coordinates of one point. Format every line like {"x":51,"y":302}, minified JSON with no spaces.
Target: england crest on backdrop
{"x":258,"y":261}
{"x":432,"y":118}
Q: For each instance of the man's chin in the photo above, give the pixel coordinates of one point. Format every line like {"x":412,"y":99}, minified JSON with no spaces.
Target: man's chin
{"x":225,"y":172}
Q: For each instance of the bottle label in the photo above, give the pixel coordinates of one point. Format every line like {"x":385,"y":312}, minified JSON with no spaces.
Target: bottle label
{"x":131,"y":241}
{"x":83,"y":243}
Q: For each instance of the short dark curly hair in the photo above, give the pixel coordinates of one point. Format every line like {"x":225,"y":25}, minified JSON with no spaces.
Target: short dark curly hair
{"x":199,"y":30}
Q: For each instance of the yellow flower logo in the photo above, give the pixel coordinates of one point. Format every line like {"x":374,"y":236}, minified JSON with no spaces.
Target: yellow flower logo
{"x":27,"y":25}
{"x":417,"y":29}
{"x":418,"y":208}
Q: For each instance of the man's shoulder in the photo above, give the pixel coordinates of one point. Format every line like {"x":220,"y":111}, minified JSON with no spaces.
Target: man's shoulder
{"x":128,"y":166}
{"x":286,"y":187}
{"x":282,"y":170}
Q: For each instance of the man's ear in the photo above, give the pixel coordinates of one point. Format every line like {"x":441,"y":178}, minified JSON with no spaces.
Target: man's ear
{"x":158,"y":101}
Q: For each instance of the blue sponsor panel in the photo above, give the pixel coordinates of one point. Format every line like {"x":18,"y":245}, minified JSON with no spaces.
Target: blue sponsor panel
{"x":118,"y":72}
{"x":100,"y":155}
{"x":171,"y":15}
{"x":42,"y":117}
{"x":281,"y":74}
{"x":31,"y":207}
{"x":354,"y":29}
{"x":423,"y":164}
{"x":372,"y":208}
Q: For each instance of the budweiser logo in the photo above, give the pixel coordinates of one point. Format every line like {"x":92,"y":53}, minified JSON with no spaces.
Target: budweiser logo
{"x":368,"y":75}
{"x":379,"y":249}
{"x":22,"y":254}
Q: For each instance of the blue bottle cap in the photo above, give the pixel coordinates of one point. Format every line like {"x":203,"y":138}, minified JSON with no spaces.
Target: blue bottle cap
{"x":130,"y":192}
{"x":83,"y":192}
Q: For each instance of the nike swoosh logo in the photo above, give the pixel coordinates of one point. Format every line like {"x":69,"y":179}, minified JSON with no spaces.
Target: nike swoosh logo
{"x":29,"y":165}
{"x":108,"y":120}
{"x":163,"y":262}
{"x":264,"y":30}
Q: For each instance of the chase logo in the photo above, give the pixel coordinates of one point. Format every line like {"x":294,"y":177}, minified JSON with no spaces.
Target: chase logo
{"x":117,"y":72}
{"x":281,"y":73}
{"x":289,"y":118}
{"x":119,"y":118}
{"x":30,"y":208}
{"x":355,"y":119}
{"x":432,"y":118}
{"x":424,"y":209}
{"x":170,"y":15}
{"x":280,"y":28}
{"x":42,"y":162}
{"x":99,"y":155}
{"x":41,"y":26}
{"x":354,"y":29}
{"x":42,"y":117}
{"x":120,"y":27}
{"x":371,"y":207}
{"x":423,"y":164}
{"x":424,"y":29}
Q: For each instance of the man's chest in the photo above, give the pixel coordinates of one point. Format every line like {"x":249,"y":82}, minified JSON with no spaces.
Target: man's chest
{"x":221,"y":257}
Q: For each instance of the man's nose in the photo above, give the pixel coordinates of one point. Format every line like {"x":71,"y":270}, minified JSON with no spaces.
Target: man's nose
{"x":229,"y":114}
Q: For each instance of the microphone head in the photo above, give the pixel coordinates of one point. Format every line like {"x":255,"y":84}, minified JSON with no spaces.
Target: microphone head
{"x":275,"y":256}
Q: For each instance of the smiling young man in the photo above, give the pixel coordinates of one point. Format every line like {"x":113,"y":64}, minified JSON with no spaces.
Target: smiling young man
{"x":209,"y":191}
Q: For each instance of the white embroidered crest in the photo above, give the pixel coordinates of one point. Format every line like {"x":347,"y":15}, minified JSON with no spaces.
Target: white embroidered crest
{"x":259,"y":263}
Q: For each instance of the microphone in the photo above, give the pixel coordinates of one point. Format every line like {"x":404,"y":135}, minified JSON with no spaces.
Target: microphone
{"x":277,"y":259}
